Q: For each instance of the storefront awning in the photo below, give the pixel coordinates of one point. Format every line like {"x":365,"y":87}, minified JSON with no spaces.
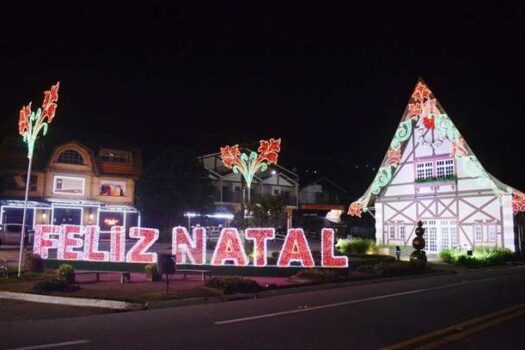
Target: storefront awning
{"x":80,"y":202}
{"x":118,"y":207}
{"x":20,"y":203}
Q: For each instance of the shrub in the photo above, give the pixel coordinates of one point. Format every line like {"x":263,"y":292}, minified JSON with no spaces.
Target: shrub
{"x":358,"y":246}
{"x":396,"y":268}
{"x":233,"y":284}
{"x":66,"y":272}
{"x":317,"y":275}
{"x":481,"y":256}
{"x":50,"y":285}
{"x":34,"y":262}
{"x":152,"y":272}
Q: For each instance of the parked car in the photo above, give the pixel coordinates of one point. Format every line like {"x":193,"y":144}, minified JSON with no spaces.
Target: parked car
{"x":10,"y":234}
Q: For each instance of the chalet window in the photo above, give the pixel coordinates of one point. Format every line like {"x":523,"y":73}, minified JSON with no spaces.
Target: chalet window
{"x":424,"y":170}
{"x":114,"y":156}
{"x":392,"y":232}
{"x":402,"y":232}
{"x":445,"y":168}
{"x":70,"y":156}
{"x":492,"y":233}
{"x":478,"y":233}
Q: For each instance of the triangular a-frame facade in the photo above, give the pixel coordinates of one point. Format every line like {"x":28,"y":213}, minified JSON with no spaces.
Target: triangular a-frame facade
{"x":429,"y":173}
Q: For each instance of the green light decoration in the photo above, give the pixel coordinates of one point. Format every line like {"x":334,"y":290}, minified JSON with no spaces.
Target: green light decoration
{"x":30,"y":124}
{"x":422,"y":105}
{"x":249,"y":165}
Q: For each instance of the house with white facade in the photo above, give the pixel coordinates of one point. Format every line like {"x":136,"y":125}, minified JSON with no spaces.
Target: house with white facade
{"x":430,"y":174}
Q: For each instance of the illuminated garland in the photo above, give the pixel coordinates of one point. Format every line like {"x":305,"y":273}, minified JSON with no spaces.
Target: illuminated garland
{"x":249,"y":165}
{"x":393,"y":157}
{"x":422,"y":106}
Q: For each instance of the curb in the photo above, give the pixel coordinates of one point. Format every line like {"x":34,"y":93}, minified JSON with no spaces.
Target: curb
{"x":161,"y":304}
{"x":84,"y":302}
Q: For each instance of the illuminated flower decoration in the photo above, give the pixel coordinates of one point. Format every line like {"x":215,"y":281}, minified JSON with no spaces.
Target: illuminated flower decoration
{"x":428,"y":122}
{"x":248,"y":165}
{"x":31,"y":123}
{"x":421,"y":92}
{"x":269,"y":150}
{"x":355,"y":209}
{"x":518,"y":201}
{"x":414,"y":110}
{"x":458,"y":148}
{"x":230,"y":156}
{"x":49,"y":105}
{"x":23,"y":119}
{"x":393,"y":156}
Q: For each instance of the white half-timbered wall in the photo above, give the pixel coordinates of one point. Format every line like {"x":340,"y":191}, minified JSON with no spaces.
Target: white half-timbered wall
{"x":461,"y":213}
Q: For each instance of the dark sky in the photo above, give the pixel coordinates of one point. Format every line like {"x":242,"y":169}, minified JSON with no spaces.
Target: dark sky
{"x":331,"y":78}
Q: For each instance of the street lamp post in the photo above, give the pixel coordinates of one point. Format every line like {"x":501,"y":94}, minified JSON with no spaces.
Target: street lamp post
{"x":249,"y":165}
{"x":30,"y":123}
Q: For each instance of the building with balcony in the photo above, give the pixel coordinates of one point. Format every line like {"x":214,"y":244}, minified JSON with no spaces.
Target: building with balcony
{"x":230,"y":194}
{"x":71,"y":184}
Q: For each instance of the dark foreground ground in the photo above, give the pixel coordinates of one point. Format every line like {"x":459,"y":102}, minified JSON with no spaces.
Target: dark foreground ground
{"x":369,"y":316}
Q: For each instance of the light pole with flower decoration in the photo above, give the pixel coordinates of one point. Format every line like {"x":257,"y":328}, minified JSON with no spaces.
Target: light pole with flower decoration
{"x":30,"y":123}
{"x":249,"y":165}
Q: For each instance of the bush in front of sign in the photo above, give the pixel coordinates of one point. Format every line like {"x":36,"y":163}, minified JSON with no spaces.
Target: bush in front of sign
{"x":50,"y":285}
{"x":317,"y":275}
{"x":66,"y":272}
{"x":152,"y":272}
{"x":34,"y":263}
{"x":356,"y":246}
{"x":233,"y":284}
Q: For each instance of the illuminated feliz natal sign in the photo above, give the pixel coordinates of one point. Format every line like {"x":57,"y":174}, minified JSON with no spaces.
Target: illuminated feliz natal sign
{"x":73,"y":242}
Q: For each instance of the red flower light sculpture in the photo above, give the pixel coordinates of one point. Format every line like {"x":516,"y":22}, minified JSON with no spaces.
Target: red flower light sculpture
{"x":248,"y":165}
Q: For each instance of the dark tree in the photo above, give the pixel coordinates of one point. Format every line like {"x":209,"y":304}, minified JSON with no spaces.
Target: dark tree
{"x":173,"y":184}
{"x":268,"y":211}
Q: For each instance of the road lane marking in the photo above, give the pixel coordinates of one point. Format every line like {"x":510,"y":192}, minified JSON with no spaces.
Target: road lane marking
{"x":295,"y":311}
{"x":479,"y":328}
{"x":478,"y":324}
{"x":349,"y":302}
{"x":53,"y":345}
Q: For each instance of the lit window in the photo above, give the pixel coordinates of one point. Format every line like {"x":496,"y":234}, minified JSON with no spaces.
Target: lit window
{"x":478,"y":233}
{"x":492,"y":233}
{"x":424,"y":170}
{"x":70,"y":157}
{"x":114,"y":156}
{"x":445,"y":167}
{"x":402,"y":232}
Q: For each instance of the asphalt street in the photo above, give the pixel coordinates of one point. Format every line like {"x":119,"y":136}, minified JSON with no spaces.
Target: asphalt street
{"x":368,"y":316}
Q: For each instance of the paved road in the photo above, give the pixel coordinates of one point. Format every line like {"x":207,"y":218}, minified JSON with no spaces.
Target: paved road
{"x":369,"y":316}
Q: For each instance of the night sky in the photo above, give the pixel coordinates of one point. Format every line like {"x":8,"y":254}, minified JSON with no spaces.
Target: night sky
{"x":331,"y":78}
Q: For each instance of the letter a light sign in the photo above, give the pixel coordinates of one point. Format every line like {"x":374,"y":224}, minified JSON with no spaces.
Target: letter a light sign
{"x":69,"y":242}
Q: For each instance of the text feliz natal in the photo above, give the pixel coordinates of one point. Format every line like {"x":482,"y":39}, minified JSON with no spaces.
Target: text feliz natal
{"x":73,"y":242}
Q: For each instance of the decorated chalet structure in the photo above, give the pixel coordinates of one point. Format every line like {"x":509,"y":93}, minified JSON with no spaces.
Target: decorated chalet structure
{"x":429,"y":173}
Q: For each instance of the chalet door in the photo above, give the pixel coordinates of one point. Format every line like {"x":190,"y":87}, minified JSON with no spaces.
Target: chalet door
{"x":448,"y":234}
{"x":439,"y":235}
{"x":430,"y":236}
